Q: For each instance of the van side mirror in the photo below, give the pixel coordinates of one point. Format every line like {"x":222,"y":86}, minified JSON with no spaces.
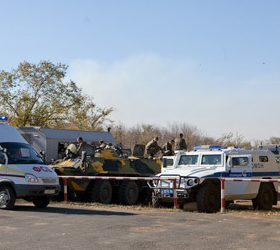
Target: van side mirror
{"x":43,"y":155}
{"x":2,"y":159}
{"x":2,"y":155}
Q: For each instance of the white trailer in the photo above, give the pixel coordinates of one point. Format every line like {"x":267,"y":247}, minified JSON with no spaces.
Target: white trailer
{"x":50,"y":140}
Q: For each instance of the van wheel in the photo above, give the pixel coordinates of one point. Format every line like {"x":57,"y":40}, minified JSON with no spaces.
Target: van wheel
{"x":264,"y":200}
{"x":254,"y":202}
{"x":128,"y":192}
{"x":7,"y":197}
{"x":41,"y":201}
{"x":208,"y":199}
{"x":102,"y":192}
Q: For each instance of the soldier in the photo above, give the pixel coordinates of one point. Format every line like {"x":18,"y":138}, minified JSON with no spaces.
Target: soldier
{"x":101,"y":145}
{"x":152,"y":147}
{"x":81,"y":145}
{"x":109,"y":146}
{"x":168,"y":148}
{"x":180,"y":143}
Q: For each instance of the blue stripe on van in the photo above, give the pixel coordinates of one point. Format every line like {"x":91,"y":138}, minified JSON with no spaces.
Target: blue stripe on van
{"x":240,"y":174}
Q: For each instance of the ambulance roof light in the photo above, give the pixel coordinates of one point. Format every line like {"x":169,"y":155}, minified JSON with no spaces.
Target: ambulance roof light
{"x":3,"y":118}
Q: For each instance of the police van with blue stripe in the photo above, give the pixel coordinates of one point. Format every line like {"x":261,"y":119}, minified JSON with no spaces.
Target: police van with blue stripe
{"x":23,"y":173}
{"x":198,"y":174}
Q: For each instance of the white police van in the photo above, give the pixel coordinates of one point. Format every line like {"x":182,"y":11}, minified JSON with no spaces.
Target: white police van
{"x":23,"y":174}
{"x":198,"y":175}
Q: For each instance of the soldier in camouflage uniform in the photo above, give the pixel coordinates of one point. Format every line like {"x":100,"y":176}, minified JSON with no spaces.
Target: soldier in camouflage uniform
{"x":81,"y":145}
{"x":168,"y":148}
{"x":180,"y":143}
{"x":152,"y":147}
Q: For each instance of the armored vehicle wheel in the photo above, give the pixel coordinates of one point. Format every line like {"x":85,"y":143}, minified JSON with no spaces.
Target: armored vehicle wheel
{"x":227,"y":205}
{"x":7,"y":197}
{"x":208,"y":199}
{"x":264,"y":199}
{"x":102,"y":192}
{"x":41,"y":201}
{"x":145,"y":196}
{"x":128,"y":192}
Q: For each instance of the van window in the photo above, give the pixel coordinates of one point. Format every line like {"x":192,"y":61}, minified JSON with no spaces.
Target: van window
{"x":211,"y":160}
{"x":21,"y":153}
{"x":168,"y":162}
{"x":188,"y":160}
{"x":263,"y":159}
{"x":240,"y":161}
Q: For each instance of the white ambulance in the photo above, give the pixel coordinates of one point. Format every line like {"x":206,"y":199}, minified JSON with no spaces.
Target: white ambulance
{"x":198,"y":175}
{"x":23,"y":174}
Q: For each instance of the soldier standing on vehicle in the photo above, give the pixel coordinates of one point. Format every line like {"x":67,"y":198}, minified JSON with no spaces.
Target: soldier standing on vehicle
{"x":180,"y":143}
{"x":109,"y":146}
{"x":81,"y":145}
{"x":102,"y":145}
{"x":152,"y":147}
{"x":168,"y":148}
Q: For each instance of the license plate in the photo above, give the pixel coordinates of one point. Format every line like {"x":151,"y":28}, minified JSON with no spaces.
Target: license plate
{"x":166,"y":191}
{"x":49,"y":191}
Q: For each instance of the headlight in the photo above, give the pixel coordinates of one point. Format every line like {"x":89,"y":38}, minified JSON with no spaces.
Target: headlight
{"x":190,"y":182}
{"x":31,"y":178}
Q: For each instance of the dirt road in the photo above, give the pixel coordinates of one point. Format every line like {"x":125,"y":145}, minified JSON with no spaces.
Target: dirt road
{"x":63,"y":226}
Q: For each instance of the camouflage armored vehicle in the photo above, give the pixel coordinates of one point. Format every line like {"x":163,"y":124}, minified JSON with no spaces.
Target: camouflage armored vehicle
{"x":107,"y":162}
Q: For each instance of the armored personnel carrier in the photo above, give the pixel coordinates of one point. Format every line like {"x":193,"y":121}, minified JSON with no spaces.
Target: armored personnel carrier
{"x":107,"y":162}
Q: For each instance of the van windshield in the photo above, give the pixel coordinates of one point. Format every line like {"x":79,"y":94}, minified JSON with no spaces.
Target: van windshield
{"x":188,"y":160}
{"x":20,"y":153}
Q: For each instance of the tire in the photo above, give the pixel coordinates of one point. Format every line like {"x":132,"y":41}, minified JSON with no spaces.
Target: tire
{"x":128,"y":192}
{"x":41,"y":201}
{"x":145,"y":196}
{"x":208,"y":199}
{"x":102,"y":192}
{"x":7,"y":197}
{"x":227,"y":204}
{"x":264,"y":200}
{"x":255,"y":204}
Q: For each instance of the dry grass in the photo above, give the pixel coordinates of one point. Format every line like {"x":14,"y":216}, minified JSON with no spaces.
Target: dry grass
{"x":239,"y":207}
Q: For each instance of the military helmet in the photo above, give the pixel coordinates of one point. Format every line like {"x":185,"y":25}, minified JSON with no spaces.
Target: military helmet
{"x":72,"y":148}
